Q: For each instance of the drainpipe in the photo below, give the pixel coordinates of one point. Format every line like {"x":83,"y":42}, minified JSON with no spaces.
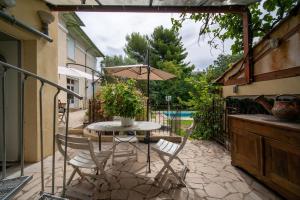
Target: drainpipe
{"x":13,"y":21}
{"x":85,"y":81}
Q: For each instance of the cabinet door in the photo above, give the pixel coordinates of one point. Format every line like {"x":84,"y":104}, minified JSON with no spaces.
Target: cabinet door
{"x":247,"y":151}
{"x":282,"y":166}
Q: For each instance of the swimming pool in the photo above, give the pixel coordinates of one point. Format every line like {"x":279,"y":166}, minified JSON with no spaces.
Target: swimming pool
{"x":179,"y":113}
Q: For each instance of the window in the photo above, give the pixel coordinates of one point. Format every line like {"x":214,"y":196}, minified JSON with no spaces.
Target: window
{"x":71,"y":86}
{"x":71,"y":48}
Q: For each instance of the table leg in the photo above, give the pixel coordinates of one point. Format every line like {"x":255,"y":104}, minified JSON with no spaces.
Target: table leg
{"x":148,"y":155}
{"x":99,"y":140}
{"x":114,"y":147}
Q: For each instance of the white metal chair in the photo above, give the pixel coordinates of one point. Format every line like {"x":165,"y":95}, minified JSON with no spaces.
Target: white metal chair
{"x":131,"y":140}
{"x":84,"y":158}
{"x":167,"y":152}
{"x":124,"y":138}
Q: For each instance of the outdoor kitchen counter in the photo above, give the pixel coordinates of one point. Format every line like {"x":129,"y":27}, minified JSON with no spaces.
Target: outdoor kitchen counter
{"x":268,"y":119}
{"x":269,"y":149}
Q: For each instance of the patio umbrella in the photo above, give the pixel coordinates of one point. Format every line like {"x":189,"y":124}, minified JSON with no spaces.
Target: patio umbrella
{"x":140,"y":72}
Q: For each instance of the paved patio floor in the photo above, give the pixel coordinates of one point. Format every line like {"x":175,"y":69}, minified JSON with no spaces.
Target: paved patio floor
{"x":211,"y":177}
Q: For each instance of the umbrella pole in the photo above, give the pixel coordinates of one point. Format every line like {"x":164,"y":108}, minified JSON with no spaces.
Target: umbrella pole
{"x":93,"y":104}
{"x":148,"y":85}
{"x":148,"y":102}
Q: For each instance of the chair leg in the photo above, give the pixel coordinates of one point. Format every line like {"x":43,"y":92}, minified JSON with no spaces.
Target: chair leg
{"x":162,"y":169}
{"x":113,"y":150}
{"x":72,"y":176}
{"x":179,"y":160}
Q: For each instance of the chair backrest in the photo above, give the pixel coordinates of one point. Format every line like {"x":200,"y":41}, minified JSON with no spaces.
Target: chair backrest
{"x":189,"y":131}
{"x":74,"y":143}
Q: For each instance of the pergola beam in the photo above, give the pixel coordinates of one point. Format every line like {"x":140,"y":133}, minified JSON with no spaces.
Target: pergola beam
{"x":247,"y":42}
{"x":149,"y":9}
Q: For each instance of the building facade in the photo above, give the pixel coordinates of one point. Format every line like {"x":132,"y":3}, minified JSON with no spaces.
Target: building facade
{"x":74,"y":46}
{"x":26,"y":44}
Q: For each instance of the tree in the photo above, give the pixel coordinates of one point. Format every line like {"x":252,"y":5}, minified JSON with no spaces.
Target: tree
{"x":117,"y":60}
{"x":220,"y":65}
{"x":167,"y":53}
{"x":136,"y":47}
{"x":265,"y":15}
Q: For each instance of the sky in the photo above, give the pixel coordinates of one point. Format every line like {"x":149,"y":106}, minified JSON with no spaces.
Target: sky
{"x":108,"y":32}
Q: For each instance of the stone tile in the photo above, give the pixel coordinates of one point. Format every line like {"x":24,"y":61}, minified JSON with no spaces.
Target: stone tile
{"x":128,"y":183}
{"x":230,"y":188}
{"x":144,"y":189}
{"x":211,"y":176}
{"x":133,"y":195}
{"x":102,"y":195}
{"x":236,"y":196}
{"x":215,"y":190}
{"x":241,"y":186}
{"x":119,"y":194}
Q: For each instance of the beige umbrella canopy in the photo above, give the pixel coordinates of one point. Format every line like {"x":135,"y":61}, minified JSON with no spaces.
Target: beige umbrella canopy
{"x":138,"y":72}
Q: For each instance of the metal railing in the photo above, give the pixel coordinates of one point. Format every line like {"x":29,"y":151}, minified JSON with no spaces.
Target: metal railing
{"x":24,"y":76}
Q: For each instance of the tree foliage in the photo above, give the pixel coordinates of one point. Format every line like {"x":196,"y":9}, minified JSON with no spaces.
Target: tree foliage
{"x":117,"y":60}
{"x":136,"y":47}
{"x":220,"y":65}
{"x":204,"y":97}
{"x":167,"y":53}
{"x":220,"y":27}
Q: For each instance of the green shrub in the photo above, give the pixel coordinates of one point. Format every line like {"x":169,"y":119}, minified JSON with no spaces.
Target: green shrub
{"x":203,"y":95}
{"x":122,"y":99}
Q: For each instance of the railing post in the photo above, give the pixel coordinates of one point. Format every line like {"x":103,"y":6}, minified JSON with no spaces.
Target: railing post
{"x":54,"y":135}
{"x":66,"y":148}
{"x":41,"y":136}
{"x":21,"y":127}
{"x":3,"y":124}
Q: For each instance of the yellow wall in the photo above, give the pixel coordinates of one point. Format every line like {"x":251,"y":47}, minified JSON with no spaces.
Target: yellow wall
{"x":271,"y":87}
{"x":80,"y":49}
{"x":40,"y":57}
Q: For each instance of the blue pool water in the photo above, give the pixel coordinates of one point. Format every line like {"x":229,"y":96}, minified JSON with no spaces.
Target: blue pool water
{"x":179,"y":114}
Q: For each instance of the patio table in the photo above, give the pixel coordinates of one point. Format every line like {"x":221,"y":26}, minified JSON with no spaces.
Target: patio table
{"x":114,"y":126}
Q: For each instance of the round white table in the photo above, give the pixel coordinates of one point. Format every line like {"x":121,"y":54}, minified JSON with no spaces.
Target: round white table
{"x":114,"y":126}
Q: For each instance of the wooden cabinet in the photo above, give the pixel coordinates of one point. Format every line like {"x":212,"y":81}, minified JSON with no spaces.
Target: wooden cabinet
{"x":269,"y":150}
{"x":247,"y":151}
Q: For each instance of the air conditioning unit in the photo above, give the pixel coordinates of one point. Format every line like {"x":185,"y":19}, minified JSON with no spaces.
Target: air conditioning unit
{"x":7,"y":3}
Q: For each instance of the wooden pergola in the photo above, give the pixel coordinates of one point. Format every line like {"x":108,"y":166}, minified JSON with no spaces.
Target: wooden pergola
{"x":239,"y":7}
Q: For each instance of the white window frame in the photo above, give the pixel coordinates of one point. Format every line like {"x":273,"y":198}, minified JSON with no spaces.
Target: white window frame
{"x":71,"y":47}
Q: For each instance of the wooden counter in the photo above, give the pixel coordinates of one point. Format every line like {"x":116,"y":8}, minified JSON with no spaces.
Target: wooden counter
{"x":268,"y":149}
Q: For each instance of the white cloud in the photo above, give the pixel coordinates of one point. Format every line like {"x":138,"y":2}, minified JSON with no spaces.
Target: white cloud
{"x":108,"y":31}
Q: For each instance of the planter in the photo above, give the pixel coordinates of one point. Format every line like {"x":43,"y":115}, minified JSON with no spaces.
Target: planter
{"x":126,"y":121}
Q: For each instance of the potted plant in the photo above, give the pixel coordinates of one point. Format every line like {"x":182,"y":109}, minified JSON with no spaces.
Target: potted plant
{"x":122,"y":99}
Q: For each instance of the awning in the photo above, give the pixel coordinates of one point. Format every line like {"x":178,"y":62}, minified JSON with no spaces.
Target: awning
{"x":75,"y":73}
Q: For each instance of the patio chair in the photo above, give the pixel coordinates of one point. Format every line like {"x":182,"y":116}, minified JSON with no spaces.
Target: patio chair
{"x":61,"y":111}
{"x":84,"y":158}
{"x":129,"y":138}
{"x":167,"y":152}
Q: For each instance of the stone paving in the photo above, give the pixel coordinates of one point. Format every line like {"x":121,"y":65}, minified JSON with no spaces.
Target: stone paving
{"x":211,"y":176}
